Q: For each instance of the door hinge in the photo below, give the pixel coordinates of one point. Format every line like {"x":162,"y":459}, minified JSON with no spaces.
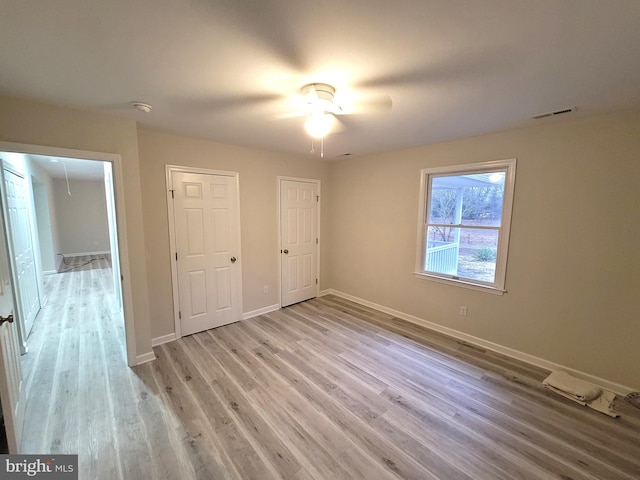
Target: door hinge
{"x":176,"y":256}
{"x":317,"y":198}
{"x":316,"y":281}
{"x":172,"y":193}
{"x":179,"y":315}
{"x":121,"y":278}
{"x":316,"y":241}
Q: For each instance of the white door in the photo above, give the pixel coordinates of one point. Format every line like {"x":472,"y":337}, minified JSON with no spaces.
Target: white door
{"x":207,"y":240}
{"x":23,"y":255}
{"x":299,"y":240}
{"x":12,"y":393}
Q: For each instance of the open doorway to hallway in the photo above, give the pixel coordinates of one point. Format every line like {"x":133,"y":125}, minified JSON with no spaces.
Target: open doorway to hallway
{"x":60,"y":212}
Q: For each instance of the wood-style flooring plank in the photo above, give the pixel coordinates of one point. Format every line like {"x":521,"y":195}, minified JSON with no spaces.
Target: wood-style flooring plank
{"x":325,"y":389}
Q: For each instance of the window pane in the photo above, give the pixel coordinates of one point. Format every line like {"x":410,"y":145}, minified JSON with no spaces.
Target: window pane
{"x":462,"y":252}
{"x":472,"y":199}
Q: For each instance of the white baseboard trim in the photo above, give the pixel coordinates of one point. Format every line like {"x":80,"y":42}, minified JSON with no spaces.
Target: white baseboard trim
{"x":260,"y":311}
{"x":509,"y":352}
{"x":49,"y":272}
{"x":328,"y":291}
{"x":163,"y":339}
{"x":145,"y":358}
{"x":86,"y":254}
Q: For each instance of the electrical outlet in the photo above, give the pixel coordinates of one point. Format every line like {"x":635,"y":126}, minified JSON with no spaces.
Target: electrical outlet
{"x":265,"y":289}
{"x":463,"y":311}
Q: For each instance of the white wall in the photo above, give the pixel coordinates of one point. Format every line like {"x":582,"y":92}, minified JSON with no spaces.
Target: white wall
{"x":81,"y":217}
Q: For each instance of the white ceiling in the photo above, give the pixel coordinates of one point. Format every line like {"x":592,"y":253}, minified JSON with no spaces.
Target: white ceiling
{"x":226,"y":69}
{"x":71,"y":168}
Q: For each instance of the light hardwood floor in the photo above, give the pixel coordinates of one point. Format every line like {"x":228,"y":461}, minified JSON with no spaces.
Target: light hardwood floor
{"x":325,"y":389}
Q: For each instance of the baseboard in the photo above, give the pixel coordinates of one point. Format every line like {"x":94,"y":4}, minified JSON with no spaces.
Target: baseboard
{"x":254,"y":313}
{"x":163,"y":339}
{"x":145,"y":358}
{"x":328,"y":291}
{"x":49,"y":272}
{"x":85,"y":254}
{"x":260,"y":311}
{"x":509,"y":352}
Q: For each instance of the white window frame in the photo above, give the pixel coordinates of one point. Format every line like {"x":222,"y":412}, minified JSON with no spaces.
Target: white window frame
{"x":426,"y":174}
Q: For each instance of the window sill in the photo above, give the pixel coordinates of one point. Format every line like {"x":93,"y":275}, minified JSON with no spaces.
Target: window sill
{"x":460,"y":283}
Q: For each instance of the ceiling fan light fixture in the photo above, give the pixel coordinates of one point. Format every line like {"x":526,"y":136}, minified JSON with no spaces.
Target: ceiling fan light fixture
{"x":319,"y":98}
{"x":319,"y":124}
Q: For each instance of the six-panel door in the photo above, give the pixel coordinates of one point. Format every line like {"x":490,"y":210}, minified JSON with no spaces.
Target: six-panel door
{"x":208,"y":245}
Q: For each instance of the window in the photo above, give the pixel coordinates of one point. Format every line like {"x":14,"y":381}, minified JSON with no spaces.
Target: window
{"x":463,"y":226}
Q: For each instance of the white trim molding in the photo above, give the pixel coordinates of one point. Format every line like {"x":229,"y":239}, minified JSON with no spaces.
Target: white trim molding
{"x":163,"y":339}
{"x":145,"y":358}
{"x":260,"y":311}
{"x":494,"y":347}
{"x":86,"y":254}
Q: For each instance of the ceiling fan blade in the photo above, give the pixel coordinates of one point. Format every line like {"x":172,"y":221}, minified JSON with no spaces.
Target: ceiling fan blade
{"x":266,"y":21}
{"x":225,"y":104}
{"x":466,"y":67}
{"x":288,"y":115}
{"x":368,"y":106}
{"x":338,"y":126}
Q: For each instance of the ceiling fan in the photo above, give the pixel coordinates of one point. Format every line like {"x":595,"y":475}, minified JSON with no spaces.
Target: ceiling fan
{"x":317,"y":102}
{"x":320,"y":108}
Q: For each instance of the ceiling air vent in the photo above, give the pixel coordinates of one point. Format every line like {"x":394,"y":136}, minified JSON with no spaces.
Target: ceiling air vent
{"x":553,"y":114}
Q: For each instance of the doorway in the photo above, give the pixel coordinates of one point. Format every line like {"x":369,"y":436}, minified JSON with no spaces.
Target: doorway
{"x":105,"y":170}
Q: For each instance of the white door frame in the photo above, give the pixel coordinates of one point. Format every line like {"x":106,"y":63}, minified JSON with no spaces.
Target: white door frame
{"x":169,"y":171}
{"x":116,"y":161}
{"x":279,"y":187}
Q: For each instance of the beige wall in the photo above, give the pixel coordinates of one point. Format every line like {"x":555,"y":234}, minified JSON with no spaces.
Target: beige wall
{"x":572,"y":274}
{"x":258,"y":171}
{"x":39,"y":124}
{"x":82,"y":216}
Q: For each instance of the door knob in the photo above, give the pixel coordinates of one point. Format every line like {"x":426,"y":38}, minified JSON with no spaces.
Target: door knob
{"x":286,"y":252}
{"x":233,"y":259}
{"x":6,"y":319}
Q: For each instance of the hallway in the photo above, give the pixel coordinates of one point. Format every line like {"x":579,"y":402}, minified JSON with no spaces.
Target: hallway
{"x":76,"y":354}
